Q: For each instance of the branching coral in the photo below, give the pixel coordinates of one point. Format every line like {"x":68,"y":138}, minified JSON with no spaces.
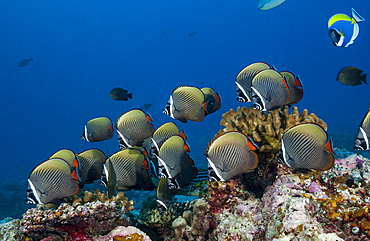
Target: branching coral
{"x":266,"y":130}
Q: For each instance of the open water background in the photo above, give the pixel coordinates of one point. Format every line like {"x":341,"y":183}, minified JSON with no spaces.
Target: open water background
{"x":83,"y":49}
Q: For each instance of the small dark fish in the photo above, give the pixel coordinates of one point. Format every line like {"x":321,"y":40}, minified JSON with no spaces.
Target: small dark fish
{"x":230,"y":155}
{"x":166,"y":32}
{"x":133,"y":127}
{"x":186,"y":103}
{"x":362,"y":141}
{"x":120,"y":94}
{"x":306,"y":147}
{"x":98,"y":129}
{"x":351,"y":76}
{"x":25,"y":62}
{"x":212,"y":100}
{"x":192,"y":34}
{"x":51,"y":181}
{"x":145,"y":106}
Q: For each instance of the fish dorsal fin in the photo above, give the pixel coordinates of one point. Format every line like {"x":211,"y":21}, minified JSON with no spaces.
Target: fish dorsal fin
{"x":75,"y":175}
{"x":205,"y":106}
{"x":186,"y":147}
{"x":298,"y":82}
{"x":217,"y":97}
{"x":329,"y":146}
{"x":251,"y":144}
{"x":356,"y":18}
{"x":183,"y":135}
{"x":285,"y":81}
{"x":76,"y":163}
{"x":148,"y":117}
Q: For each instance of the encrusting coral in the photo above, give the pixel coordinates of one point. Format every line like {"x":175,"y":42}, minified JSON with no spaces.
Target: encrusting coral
{"x":84,"y":216}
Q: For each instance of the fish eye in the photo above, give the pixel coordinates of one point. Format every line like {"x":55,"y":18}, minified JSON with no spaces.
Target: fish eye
{"x":307,"y":184}
{"x":287,"y":190}
{"x":367,"y":199}
{"x":355,"y":230}
{"x":240,"y":99}
{"x":316,"y":193}
{"x":257,"y":106}
{"x":359,"y":202}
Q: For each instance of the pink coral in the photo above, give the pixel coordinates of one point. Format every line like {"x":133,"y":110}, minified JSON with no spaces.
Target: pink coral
{"x":121,"y":231}
{"x":345,"y":165}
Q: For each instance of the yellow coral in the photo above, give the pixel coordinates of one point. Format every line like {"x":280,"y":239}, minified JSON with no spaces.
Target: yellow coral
{"x":265,"y":130}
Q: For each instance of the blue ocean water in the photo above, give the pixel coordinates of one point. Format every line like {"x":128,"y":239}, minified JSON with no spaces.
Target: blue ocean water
{"x":82,"y":49}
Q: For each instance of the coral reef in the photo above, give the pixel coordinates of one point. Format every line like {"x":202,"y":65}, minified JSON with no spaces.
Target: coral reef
{"x":243,"y":221}
{"x":84,"y":216}
{"x":158,"y":225}
{"x":125,"y":233}
{"x":10,"y":230}
{"x":221,"y":194}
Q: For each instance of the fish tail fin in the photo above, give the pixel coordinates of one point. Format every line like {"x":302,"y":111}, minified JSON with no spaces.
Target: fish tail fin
{"x":31,"y":59}
{"x":356,"y":17}
{"x":129,"y":95}
{"x":363,"y":78}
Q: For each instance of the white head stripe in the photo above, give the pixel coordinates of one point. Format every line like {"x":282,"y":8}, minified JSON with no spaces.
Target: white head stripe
{"x":284,"y":153}
{"x":242,"y":89}
{"x":262,"y":99}
{"x":165,"y":166}
{"x":86,"y":134}
{"x":365,"y":137}
{"x":215,"y":169}
{"x":123,"y":139}
{"x":171,"y":107}
{"x":34,"y":191}
{"x":161,"y":203}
